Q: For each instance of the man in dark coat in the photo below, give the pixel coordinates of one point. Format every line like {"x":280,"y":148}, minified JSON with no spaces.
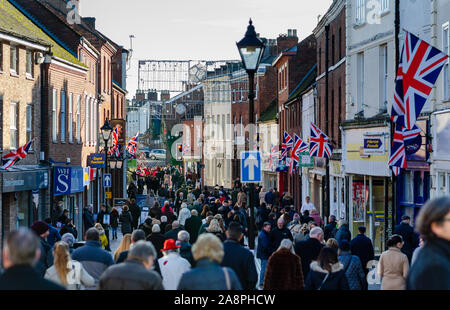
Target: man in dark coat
{"x":264,"y":250}
{"x":343,"y":233}
{"x":279,"y":233}
{"x":269,"y":197}
{"x":135,"y":213}
{"x":185,"y":247}
{"x":192,"y":225}
{"x":309,"y":249}
{"x":19,"y":255}
{"x":54,"y":235}
{"x":410,"y":238}
{"x":238,"y":258}
{"x":173,"y":233}
{"x":362,"y":247}
{"x":132,"y":190}
{"x":46,"y":259}
{"x":330,"y":229}
{"x":88,"y":218}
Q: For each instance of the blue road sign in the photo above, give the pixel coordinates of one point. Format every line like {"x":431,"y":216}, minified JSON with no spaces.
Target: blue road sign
{"x":251,"y":167}
{"x":107,"y":180}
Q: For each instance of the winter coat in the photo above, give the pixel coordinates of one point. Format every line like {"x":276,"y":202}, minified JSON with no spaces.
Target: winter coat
{"x":173,"y":234}
{"x":157,"y":239}
{"x":308,"y":250}
{"x":88,"y":219}
{"x":184,"y":214}
{"x":68,"y":229}
{"x":343,"y":233}
{"x":242,"y":261}
{"x":103,"y":240}
{"x":126,"y":220}
{"x":173,"y":266}
{"x":284,"y":271}
{"x":25,"y":278}
{"x":353,"y":270}
{"x":77,"y":279}
{"x":393,"y":268}
{"x":241,"y":198}
{"x":135,"y":213}
{"x":334,"y":282}
{"x":208,"y":275}
{"x":269,"y":198}
{"x":410,"y":238}
{"x":277,"y":235}
{"x":130,"y":275}
{"x":362,"y":247}
{"x":317,"y":219}
{"x":54,"y":236}
{"x":192,"y":226}
{"x":186,"y":252}
{"x":132,"y":191}
{"x":431,"y":270}
{"x":147,"y":228}
{"x":46,"y":258}
{"x":330,"y":230}
{"x":264,"y":250}
{"x":93,"y":258}
{"x":262,"y":196}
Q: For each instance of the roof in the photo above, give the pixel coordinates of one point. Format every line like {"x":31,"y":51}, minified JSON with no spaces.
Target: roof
{"x":304,"y":84}
{"x":270,"y":113}
{"x":17,"y":23}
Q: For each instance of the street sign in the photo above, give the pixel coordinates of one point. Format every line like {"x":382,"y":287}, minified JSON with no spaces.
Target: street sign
{"x":108,"y":195}
{"x":250,"y":167}
{"x":107,"y":180}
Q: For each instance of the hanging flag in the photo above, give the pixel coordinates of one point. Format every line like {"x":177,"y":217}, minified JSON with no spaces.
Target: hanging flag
{"x":12,"y":158}
{"x":286,"y":146}
{"x":299,"y":146}
{"x":274,"y":153}
{"x":319,"y":145}
{"x":115,"y":140}
{"x":398,"y":154}
{"x":132,"y":144}
{"x":418,"y":70}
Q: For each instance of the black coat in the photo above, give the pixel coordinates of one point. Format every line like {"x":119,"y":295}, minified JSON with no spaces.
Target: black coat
{"x":126,"y":219}
{"x":46,"y":259}
{"x":362,"y":247}
{"x":431,"y":270}
{"x":308,"y":250}
{"x":135,"y":213}
{"x":409,"y":238}
{"x":69,"y":229}
{"x":173,"y":234}
{"x":242,"y":261}
{"x":25,"y":278}
{"x":337,"y":280}
{"x":277,"y":235}
{"x":157,"y":239}
{"x":330,"y":230}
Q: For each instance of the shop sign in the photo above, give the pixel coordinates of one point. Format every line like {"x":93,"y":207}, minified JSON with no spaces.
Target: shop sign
{"x":374,"y":146}
{"x":305,"y":160}
{"x":62,"y":181}
{"x":108,"y":195}
{"x":17,"y":181}
{"x":97,"y":160}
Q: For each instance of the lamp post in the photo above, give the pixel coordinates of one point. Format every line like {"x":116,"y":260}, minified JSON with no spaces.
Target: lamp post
{"x":106,"y":130}
{"x":251,"y":49}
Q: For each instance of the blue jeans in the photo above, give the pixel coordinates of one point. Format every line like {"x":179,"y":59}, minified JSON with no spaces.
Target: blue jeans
{"x":263,"y":271}
{"x":114,"y":231}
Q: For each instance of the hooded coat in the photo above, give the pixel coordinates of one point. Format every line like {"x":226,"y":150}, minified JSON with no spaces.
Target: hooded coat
{"x":284,"y":271}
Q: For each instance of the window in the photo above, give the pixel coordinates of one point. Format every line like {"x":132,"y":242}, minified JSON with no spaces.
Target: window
{"x":14,"y":60}
{"x":360,"y":64}
{"x":63,"y":116}
{"x":29,"y":122}
{"x":384,"y":5}
{"x":30,"y":66}
{"x":383,"y":75}
{"x":94,"y":125}
{"x":79,"y":118}
{"x":87,"y":105}
{"x":408,"y":187}
{"x":446,"y":49}
{"x":360,"y":11}
{"x":13,"y":116}
{"x":70,"y":125}
{"x":54,"y":116}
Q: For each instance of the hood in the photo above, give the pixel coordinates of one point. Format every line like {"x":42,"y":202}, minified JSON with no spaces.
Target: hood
{"x":334,"y":268}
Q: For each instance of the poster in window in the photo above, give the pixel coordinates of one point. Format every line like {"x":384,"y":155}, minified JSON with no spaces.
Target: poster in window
{"x":359,"y":200}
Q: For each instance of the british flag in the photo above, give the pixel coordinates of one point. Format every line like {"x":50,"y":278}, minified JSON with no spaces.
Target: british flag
{"x":132,"y":144}
{"x":319,"y":145}
{"x":12,"y":158}
{"x":286,"y":146}
{"x":274,"y":153}
{"x":115,"y":141}
{"x":398,"y":154}
{"x":417,"y":73}
{"x":299,"y":146}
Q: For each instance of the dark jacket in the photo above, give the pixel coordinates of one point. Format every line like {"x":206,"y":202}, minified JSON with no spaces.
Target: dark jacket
{"x":353,"y":271}
{"x":264,"y":250}
{"x":25,"y":278}
{"x":114,"y":219}
{"x":242,"y":261}
{"x":362,"y":247}
{"x":330,"y":230}
{"x":186,"y":252}
{"x":135,"y":213}
{"x":53,"y":236}
{"x":192,"y":226}
{"x":431,"y":269}
{"x":208,"y":275}
{"x":410,"y":238}
{"x":124,"y":255}
{"x":100,"y":218}
{"x":269,"y":198}
{"x":126,"y":219}
{"x":130,"y":275}
{"x":69,"y":229}
{"x":308,"y":250}
{"x":46,"y":259}
{"x":157,"y":239}
{"x":336,"y":280}
{"x":88,"y":219}
{"x":277,"y":235}
{"x":173,"y":234}
{"x":343,"y":233}
{"x":284,"y":272}
{"x":93,"y":258}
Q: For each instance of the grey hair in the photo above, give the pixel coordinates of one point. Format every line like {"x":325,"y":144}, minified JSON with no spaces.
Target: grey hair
{"x":156,"y":228}
{"x":175,"y":224}
{"x":316,"y":231}
{"x":286,"y":244}
{"x":68,"y":238}
{"x":194,"y":212}
{"x":21,"y":246}
{"x":142,"y":250}
{"x":183,"y":236}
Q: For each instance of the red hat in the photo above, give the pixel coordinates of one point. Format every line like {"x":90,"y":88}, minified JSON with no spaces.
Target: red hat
{"x":170,"y":244}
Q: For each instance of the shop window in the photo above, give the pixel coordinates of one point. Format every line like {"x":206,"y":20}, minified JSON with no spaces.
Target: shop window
{"x":408,"y":193}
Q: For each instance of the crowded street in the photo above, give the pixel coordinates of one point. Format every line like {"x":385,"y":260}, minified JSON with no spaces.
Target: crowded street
{"x":225,"y":153}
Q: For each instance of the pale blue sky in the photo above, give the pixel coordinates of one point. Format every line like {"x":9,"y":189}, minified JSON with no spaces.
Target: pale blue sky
{"x":196,"y":29}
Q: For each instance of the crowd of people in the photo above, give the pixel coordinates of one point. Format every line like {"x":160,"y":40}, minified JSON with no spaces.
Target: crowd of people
{"x":196,"y":239}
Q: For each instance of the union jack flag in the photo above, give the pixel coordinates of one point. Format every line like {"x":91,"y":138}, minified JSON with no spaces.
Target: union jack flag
{"x":286,"y":146}
{"x":299,"y":146}
{"x":398,"y":154}
{"x":274,"y":153}
{"x":12,"y":158}
{"x":132,"y":144}
{"x":319,"y":144}
{"x":115,"y":148}
{"x":417,"y":73}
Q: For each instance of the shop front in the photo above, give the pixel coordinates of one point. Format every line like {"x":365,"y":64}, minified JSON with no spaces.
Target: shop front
{"x":440,"y":158}
{"x":317,"y":175}
{"x":337,"y":191}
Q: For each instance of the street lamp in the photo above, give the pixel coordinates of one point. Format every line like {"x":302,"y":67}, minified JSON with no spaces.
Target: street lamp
{"x":251,"y":49}
{"x":106,"y":130}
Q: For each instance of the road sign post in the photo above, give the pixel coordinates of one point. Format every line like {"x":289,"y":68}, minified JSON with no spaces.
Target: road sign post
{"x":251,"y":167}
{"x":107,"y":180}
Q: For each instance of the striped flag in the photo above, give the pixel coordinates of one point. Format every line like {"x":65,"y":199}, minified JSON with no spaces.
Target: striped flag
{"x":132,"y":144}
{"x":12,"y":158}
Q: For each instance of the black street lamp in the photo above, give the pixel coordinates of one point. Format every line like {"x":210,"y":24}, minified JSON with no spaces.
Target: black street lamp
{"x":106,"y":130}
{"x":251,"y":49}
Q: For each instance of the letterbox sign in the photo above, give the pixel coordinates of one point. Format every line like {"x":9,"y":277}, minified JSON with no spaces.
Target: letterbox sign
{"x":374,"y":145}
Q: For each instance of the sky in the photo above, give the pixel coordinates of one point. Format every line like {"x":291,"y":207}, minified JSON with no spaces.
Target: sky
{"x":196,"y":29}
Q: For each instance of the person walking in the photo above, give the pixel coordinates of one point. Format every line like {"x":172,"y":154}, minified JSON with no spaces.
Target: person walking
{"x":393,"y":266}
{"x":330,"y":229}
{"x":309,"y":249}
{"x":172,"y":265}
{"x":135,"y":213}
{"x":343,"y":232}
{"x":114,"y":222}
{"x":132,"y":190}
{"x":352,"y":267}
{"x":20,"y":254}
{"x":307,"y":205}
{"x":264,"y":250}
{"x":126,"y":220}
{"x":284,"y":269}
{"x":68,"y":228}
{"x":66,"y":271}
{"x":192,"y":225}
{"x":327,"y":273}
{"x":157,"y":239}
{"x":362,"y":247}
{"x":185,"y":247}
{"x":103,"y":238}
{"x":135,"y":273}
{"x":136,"y":236}
{"x":208,"y":274}
{"x":124,"y":245}
{"x":316,"y":217}
{"x":431,"y":270}
{"x":53,"y":234}
{"x":238,"y":258}
{"x":184,"y":214}
{"x":409,"y":236}
{"x":88,"y":218}
{"x":173,"y":233}
{"x":93,"y":258}
{"x":46,"y":257}
{"x":279,"y":233}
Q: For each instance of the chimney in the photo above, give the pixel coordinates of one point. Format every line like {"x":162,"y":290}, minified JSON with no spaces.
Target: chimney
{"x":90,"y":21}
{"x":285,"y":42}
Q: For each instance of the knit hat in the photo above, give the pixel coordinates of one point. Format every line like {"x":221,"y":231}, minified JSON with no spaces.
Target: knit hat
{"x":40,"y":227}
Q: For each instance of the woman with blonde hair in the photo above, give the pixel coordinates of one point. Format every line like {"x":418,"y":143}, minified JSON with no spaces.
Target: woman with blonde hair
{"x":218,"y":217}
{"x":66,"y":271}
{"x":332,"y":243}
{"x":103,"y":238}
{"x":214,"y":228}
{"x":123,"y":246}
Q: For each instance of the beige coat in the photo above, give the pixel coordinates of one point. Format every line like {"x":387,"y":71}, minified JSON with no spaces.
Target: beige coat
{"x":241,"y":198}
{"x":393,"y":268}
